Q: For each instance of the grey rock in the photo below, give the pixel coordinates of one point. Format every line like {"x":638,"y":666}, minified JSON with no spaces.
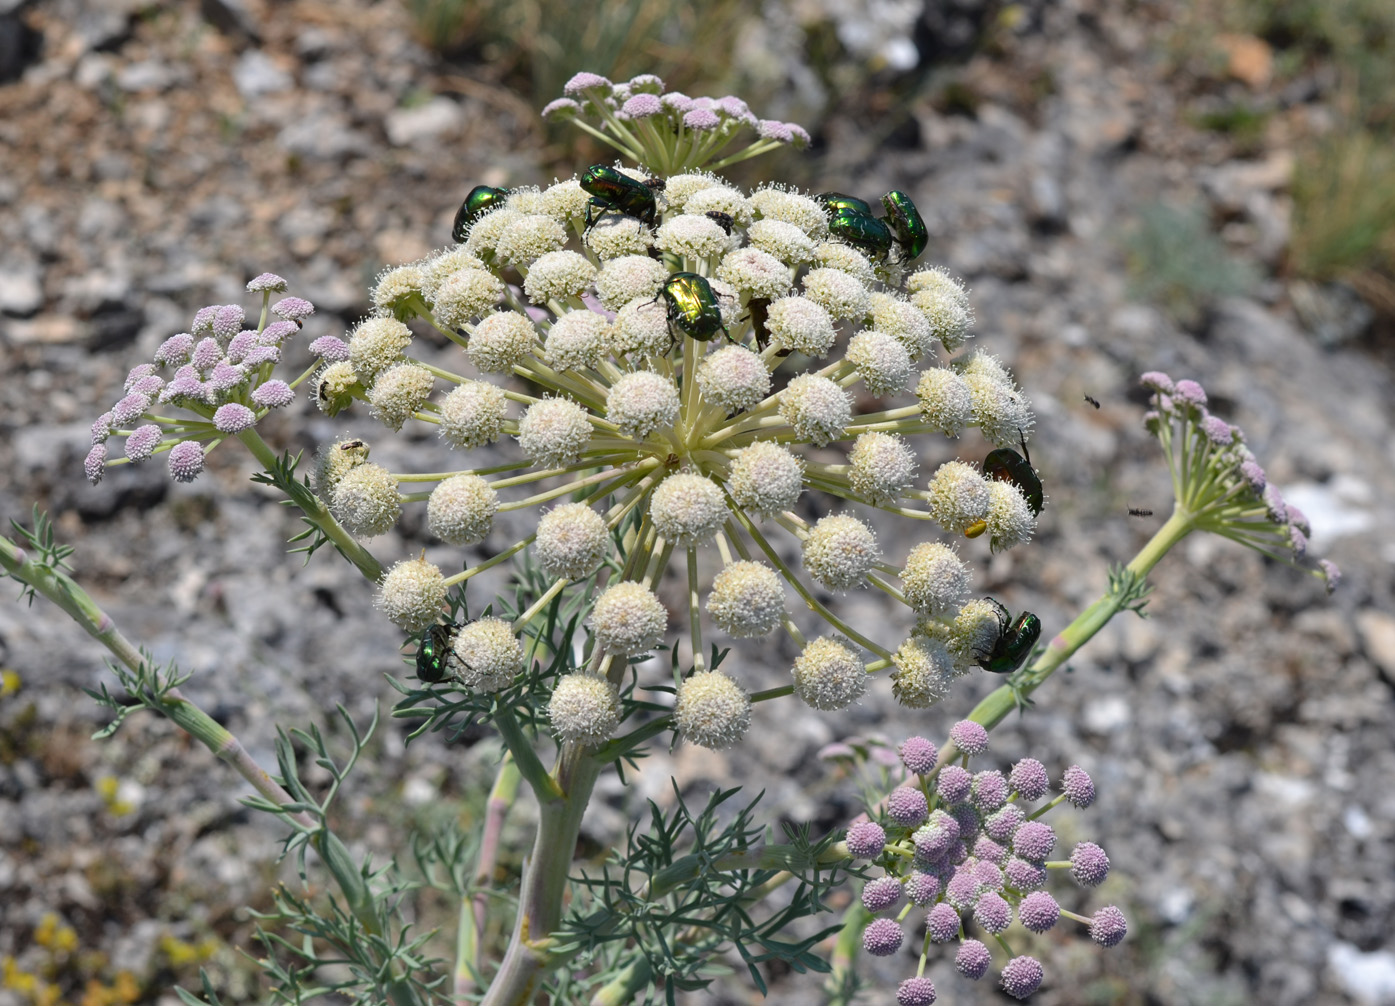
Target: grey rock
{"x":1377,"y":632}
{"x":256,"y":74}
{"x":325,"y":136}
{"x":425,"y":124}
{"x":21,"y":291}
{"x":146,"y":75}
{"x":1368,"y":977}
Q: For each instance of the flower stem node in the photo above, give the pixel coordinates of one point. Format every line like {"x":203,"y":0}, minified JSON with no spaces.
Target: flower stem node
{"x":572,"y":541}
{"x":828,"y":675}
{"x":461,"y":510}
{"x":688,"y":509}
{"x":411,"y":594}
{"x":628,"y":619}
{"x":584,"y":709}
{"x":747,"y":600}
{"x":489,"y":653}
{"x":712,"y":710}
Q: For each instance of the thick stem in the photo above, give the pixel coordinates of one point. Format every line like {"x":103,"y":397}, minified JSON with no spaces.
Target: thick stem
{"x":472,"y":910}
{"x":545,"y":872}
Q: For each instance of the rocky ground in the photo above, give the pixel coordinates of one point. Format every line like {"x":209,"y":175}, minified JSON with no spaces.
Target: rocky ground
{"x":154,"y":158}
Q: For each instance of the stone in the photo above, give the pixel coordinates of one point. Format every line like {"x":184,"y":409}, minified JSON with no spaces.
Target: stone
{"x":21,"y":291}
{"x":256,"y":74}
{"x":1377,"y":632}
{"x":425,"y":124}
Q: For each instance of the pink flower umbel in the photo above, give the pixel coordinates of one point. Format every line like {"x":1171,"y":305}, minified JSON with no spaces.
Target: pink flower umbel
{"x":217,"y":383}
{"x":669,"y":133}
{"x":1218,"y":484}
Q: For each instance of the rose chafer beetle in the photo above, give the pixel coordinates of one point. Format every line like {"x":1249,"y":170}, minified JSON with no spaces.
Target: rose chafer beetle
{"x":692,"y":306}
{"x":1014,"y":642}
{"x":866,"y":233}
{"x":435,"y":655}
{"x":480,"y":200}
{"x":905,"y":222}
{"x":1006,"y":465}
{"x":613,"y":192}
{"x":835,"y":201}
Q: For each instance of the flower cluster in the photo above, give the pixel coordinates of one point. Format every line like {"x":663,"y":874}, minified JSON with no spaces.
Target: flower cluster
{"x":964,"y":848}
{"x":679,"y":346}
{"x":1218,"y":483}
{"x":695,"y":438}
{"x":219,"y":374}
{"x":668,"y":132}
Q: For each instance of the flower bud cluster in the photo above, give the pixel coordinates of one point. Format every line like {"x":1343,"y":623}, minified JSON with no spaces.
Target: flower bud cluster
{"x":675,"y":402}
{"x":668,"y":130}
{"x":964,"y":847}
{"x":1220,"y":485}
{"x":202,"y":386}
{"x":651,"y":321}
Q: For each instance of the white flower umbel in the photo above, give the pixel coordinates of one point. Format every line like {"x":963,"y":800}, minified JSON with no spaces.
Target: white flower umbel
{"x":643,"y":420}
{"x":649,"y":423}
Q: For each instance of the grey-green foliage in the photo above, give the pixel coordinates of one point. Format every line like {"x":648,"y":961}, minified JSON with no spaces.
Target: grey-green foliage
{"x":1176,"y":261}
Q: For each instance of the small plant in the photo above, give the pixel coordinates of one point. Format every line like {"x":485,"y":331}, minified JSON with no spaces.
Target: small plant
{"x":1176,"y":261}
{"x":686,"y":344}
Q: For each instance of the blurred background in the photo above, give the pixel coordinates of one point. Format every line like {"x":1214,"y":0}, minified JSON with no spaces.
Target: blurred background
{"x":1204,"y":187}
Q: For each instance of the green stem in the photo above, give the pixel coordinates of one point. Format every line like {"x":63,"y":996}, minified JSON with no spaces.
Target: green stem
{"x":995,"y":708}
{"x":315,"y":511}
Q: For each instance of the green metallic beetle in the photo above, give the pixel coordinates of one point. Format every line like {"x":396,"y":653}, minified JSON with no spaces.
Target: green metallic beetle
{"x":613,"y":192}
{"x":1006,"y":465}
{"x":906,"y":223}
{"x":835,"y":201}
{"x":480,"y":200}
{"x":866,"y":233}
{"x":692,"y":306}
{"x":1014,"y":643}
{"x":435,"y":655}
